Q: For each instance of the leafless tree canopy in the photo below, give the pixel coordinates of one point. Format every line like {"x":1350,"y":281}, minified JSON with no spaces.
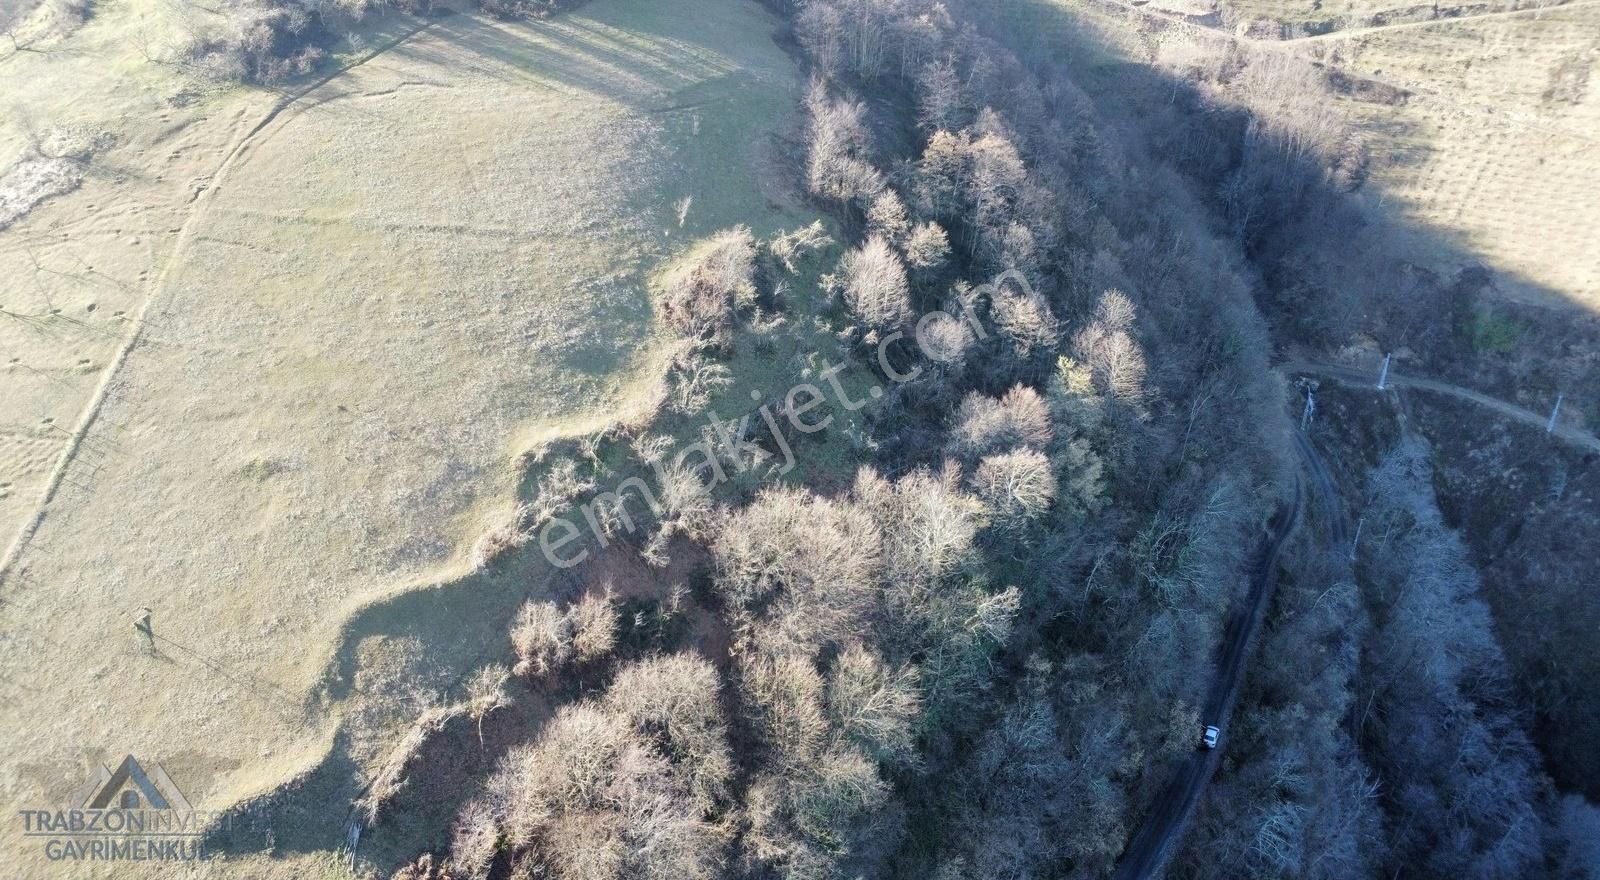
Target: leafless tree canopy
{"x":840,"y":163}
{"x":875,"y":284}
{"x":974,"y":630}
{"x":987,"y":425}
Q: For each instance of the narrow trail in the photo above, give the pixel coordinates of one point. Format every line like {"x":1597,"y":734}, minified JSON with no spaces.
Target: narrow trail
{"x":1322,"y":485}
{"x":186,"y":234}
{"x":1566,"y":433}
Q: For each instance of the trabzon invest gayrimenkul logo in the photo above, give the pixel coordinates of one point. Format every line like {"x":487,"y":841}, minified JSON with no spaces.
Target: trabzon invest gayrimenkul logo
{"x":130,"y":814}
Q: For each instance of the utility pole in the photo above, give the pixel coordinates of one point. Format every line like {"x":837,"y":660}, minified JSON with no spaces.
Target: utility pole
{"x":1384,"y":376}
{"x":1553,"y":413}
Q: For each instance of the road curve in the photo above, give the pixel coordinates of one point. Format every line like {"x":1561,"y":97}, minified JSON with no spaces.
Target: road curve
{"x":1567,"y":433}
{"x":1163,"y":826}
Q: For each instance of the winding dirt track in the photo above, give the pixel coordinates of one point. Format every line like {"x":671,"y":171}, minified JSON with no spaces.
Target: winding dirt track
{"x":1158,"y":836}
{"x":1203,"y":26}
{"x":1163,"y":827}
{"x":1566,"y":433}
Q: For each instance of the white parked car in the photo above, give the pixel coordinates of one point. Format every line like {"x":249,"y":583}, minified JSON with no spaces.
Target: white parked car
{"x":1210,"y":738}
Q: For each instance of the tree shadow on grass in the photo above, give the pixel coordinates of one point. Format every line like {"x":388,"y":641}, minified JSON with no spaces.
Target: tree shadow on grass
{"x":632,"y":66}
{"x":463,"y":622}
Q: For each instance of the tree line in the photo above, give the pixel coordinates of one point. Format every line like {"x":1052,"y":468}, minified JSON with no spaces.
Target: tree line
{"x":979,"y":646}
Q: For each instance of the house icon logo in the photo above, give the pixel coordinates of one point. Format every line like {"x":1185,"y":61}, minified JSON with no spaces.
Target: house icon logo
{"x":130,"y":787}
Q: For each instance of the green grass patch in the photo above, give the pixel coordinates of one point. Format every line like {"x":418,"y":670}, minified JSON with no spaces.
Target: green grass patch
{"x":1490,"y":333}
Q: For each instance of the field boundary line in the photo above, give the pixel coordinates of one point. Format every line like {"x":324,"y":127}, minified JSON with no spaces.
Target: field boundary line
{"x":179,"y":250}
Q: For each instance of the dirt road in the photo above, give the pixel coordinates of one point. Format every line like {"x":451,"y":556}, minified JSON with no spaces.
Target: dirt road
{"x":1164,"y":825}
{"x":1534,"y":11}
{"x":1351,"y":376}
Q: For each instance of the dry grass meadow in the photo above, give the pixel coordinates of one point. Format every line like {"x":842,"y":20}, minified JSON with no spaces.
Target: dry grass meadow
{"x":272,"y":364}
{"x":1494,"y":147}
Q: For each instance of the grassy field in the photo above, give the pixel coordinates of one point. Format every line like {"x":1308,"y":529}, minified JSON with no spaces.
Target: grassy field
{"x":359,"y":309}
{"x":79,"y":267}
{"x":1495,"y":147}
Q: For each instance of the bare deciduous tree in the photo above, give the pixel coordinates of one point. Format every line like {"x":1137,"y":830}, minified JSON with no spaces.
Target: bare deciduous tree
{"x":673,"y":701}
{"x":811,"y":563}
{"x":795,"y":245}
{"x":1026,"y":325}
{"x":875,"y":285}
{"x":929,"y":527}
{"x":474,"y":837}
{"x":1016,"y":486}
{"x":839,"y":165}
{"x":1107,"y":347}
{"x":486,"y":692}
{"x":873,"y":706}
{"x":815,"y":820}
{"x":986,"y":425}
{"x":887,"y":217}
{"x":939,"y":99}
{"x":593,"y":621}
{"x":946,"y":340}
{"x":927,"y":247}
{"x":1078,"y":413}
{"x":785,"y":698}
{"x":616,"y":789}
{"x":701,"y":297}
